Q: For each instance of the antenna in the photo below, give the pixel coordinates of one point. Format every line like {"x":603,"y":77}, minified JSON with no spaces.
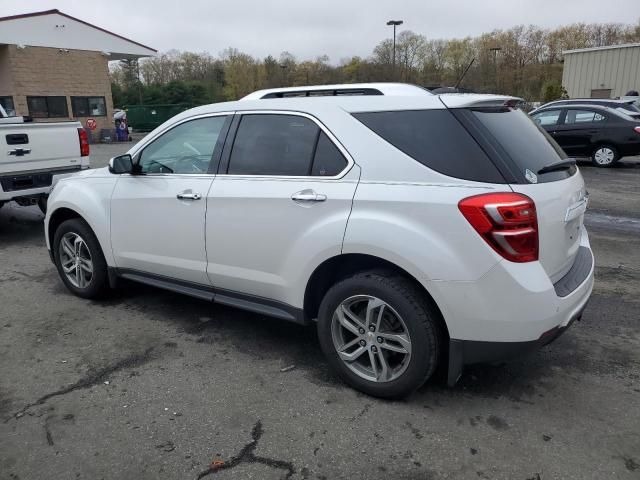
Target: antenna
{"x":465,"y":72}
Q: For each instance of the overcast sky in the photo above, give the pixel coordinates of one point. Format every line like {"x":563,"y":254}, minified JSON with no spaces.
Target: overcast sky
{"x":338,"y":28}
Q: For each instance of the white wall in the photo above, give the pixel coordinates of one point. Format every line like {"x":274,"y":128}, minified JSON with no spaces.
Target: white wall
{"x":58,"y":31}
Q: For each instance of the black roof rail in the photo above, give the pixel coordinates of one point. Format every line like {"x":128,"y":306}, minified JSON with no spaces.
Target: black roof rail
{"x":323,"y":93}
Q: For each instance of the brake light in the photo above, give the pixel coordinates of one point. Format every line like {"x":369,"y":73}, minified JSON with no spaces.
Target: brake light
{"x":84,"y":142}
{"x":506,"y":221}
{"x":637,"y":129}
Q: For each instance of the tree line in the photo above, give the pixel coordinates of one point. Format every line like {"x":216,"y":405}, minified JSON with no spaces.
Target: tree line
{"x":525,"y":61}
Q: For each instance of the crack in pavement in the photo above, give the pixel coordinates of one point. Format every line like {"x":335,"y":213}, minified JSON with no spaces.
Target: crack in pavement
{"x":90,"y":380}
{"x":246,"y":455}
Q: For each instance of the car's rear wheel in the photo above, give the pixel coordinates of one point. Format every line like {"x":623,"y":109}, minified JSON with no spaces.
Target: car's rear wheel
{"x":379,"y":333}
{"x":604,"y":156}
{"x":79,"y":259}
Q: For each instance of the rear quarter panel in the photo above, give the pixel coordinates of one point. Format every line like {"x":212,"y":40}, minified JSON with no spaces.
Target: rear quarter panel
{"x":420,"y":228}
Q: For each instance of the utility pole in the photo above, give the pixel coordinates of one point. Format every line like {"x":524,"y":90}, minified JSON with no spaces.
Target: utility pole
{"x":495,"y":51}
{"x":395,"y":23}
{"x":284,"y":67}
{"x":139,"y":82}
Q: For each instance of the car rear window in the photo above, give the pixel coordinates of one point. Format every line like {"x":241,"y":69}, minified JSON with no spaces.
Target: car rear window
{"x":436,"y":139}
{"x":527,"y":145}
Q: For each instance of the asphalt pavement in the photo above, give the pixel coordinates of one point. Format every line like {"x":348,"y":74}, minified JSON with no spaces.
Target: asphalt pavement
{"x":153,"y":385}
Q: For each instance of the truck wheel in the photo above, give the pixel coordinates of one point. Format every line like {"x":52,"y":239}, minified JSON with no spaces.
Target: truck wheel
{"x":379,"y":333}
{"x":79,"y":259}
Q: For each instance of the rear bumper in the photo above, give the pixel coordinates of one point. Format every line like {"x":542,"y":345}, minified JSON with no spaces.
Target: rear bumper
{"x":31,"y":184}
{"x":468,"y":352}
{"x":513,"y":310}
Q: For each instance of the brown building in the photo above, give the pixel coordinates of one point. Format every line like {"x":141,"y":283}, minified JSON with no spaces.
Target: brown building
{"x":55,"y":67}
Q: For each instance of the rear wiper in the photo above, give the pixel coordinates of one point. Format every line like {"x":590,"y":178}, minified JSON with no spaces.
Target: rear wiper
{"x":561,"y":165}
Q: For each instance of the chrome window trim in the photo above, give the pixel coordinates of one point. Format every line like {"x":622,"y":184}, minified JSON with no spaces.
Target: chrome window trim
{"x":323,"y":128}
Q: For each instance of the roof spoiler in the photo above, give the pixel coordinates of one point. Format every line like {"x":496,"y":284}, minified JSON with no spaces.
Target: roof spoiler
{"x":479,"y":101}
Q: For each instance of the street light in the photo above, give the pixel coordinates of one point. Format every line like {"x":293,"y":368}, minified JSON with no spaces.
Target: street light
{"x":395,"y":23}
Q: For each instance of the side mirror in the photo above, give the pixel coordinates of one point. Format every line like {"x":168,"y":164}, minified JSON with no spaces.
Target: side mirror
{"x":121,"y":164}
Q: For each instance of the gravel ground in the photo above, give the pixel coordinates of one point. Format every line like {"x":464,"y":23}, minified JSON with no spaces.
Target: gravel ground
{"x":149,"y":384}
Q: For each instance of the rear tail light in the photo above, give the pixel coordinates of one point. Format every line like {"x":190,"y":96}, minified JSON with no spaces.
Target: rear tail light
{"x":84,"y":142}
{"x":506,"y":221}
{"x":637,"y":129}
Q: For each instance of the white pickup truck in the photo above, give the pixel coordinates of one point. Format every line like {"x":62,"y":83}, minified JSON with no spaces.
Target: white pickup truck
{"x":34,"y":156}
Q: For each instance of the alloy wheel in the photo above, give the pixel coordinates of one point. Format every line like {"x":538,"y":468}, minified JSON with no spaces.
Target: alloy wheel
{"x":371,"y":338}
{"x":75,"y":260}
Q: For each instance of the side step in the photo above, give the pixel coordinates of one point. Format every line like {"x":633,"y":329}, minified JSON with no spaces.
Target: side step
{"x":250,"y":303}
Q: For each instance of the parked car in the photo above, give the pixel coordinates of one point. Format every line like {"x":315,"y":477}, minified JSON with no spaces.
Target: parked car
{"x":604,"y":134}
{"x":35,"y":156}
{"x":627,"y":106}
{"x":414,"y":230}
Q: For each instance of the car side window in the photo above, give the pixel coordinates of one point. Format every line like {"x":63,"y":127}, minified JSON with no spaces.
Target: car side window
{"x":583,"y":116}
{"x":185,"y":149}
{"x":548,"y":118}
{"x":275,"y":144}
{"x":328,"y":160}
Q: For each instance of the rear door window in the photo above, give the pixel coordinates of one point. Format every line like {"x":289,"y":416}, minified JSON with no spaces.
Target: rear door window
{"x":328,"y":161}
{"x":269,"y":144}
{"x":436,"y":139}
{"x":583,"y":116}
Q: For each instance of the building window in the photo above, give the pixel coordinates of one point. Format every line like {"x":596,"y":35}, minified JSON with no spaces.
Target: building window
{"x":89,"y":106}
{"x":7,"y":104}
{"x":48,"y":107}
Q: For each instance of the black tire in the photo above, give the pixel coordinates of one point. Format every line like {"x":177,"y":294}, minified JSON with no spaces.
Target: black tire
{"x":418,"y":314}
{"x":98,"y":285}
{"x":613,"y":159}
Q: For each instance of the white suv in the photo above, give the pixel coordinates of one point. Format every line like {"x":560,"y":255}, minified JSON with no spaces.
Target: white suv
{"x":415,"y":230}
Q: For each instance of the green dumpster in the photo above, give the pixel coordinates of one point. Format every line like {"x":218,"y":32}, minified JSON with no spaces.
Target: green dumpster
{"x":144,"y":118}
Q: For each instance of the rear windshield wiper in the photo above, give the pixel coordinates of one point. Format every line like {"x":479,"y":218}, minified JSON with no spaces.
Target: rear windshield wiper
{"x":565,"y":164}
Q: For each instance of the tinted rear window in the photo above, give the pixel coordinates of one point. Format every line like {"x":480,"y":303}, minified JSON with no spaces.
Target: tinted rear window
{"x":273,"y":145}
{"x":436,"y":139}
{"x":528,"y":146}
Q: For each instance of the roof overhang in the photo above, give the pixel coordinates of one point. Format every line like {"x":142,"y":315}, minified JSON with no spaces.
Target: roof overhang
{"x":595,"y":49}
{"x":55,"y":29}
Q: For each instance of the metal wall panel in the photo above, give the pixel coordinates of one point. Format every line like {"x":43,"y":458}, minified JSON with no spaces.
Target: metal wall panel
{"x":617,"y":69}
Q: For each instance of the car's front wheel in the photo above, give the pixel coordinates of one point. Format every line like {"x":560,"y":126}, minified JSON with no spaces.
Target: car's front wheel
{"x":79,"y":259}
{"x":604,"y":156}
{"x":379,"y":333}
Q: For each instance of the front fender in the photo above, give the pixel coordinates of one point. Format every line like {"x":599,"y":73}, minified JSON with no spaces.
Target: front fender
{"x":90,"y":198}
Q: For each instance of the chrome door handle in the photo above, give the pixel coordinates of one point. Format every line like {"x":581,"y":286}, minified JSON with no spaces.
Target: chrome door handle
{"x":188,"y":195}
{"x":18,"y":152}
{"x":308,"y":196}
